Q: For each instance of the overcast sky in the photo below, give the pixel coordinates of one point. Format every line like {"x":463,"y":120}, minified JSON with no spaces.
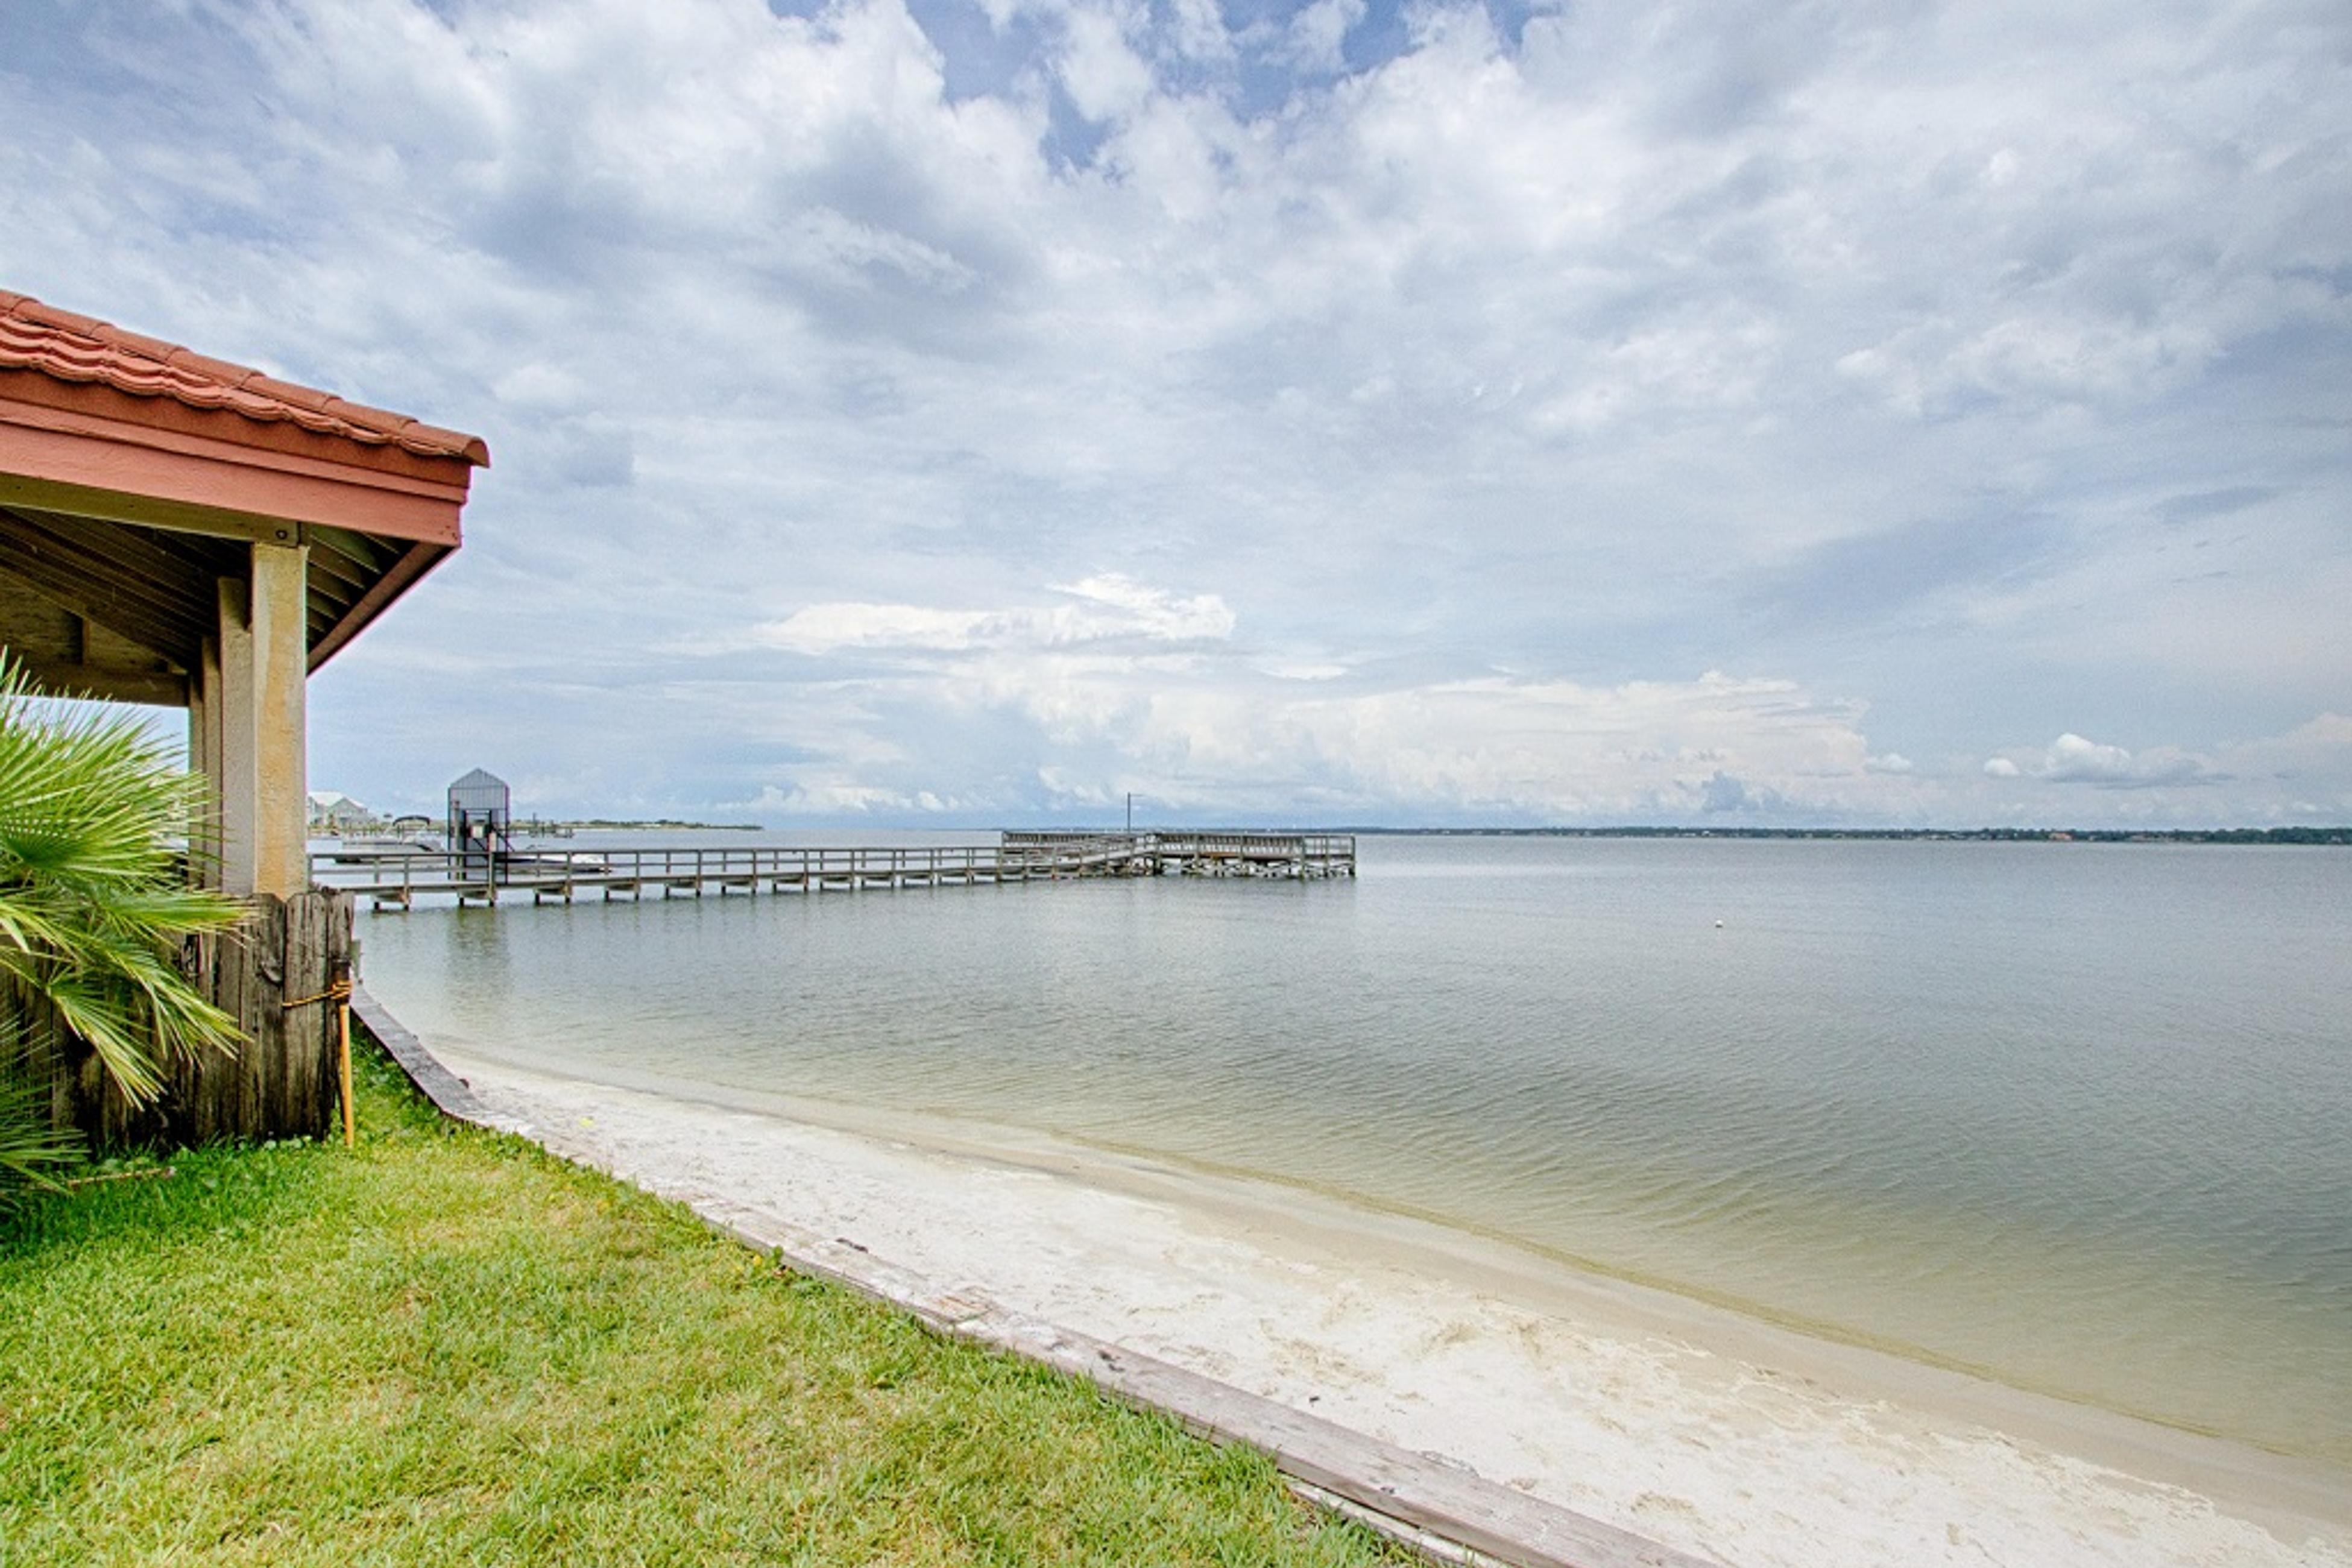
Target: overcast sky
{"x":912,"y":411}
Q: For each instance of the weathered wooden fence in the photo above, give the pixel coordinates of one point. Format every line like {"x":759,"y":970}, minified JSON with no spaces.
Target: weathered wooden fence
{"x":280,"y":1083}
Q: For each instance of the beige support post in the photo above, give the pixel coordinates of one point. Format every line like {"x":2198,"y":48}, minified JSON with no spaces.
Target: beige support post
{"x":281,"y":635}
{"x":231,"y":718}
{"x":205,"y":761}
{"x":263,"y":763}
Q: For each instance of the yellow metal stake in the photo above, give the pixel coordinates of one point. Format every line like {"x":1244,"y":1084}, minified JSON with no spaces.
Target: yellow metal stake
{"x":343,"y":1023}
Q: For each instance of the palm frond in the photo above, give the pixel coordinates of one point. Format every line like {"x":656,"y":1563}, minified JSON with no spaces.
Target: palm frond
{"x":94,"y":904}
{"x":32,"y":1149}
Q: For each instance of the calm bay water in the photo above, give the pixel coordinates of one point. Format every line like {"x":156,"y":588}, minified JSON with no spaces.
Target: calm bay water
{"x":2078,"y":1117}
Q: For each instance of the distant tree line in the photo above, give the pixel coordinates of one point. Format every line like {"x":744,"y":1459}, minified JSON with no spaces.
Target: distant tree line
{"x":2303,"y":835}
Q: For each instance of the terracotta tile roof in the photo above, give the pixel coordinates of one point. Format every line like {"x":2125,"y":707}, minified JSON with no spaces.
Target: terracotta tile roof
{"x":38,"y":336}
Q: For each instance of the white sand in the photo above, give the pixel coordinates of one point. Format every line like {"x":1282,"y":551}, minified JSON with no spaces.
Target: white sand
{"x":1698,"y":1429}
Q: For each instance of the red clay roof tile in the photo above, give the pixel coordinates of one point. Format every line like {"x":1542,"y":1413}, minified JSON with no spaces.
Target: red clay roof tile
{"x":71,"y":348}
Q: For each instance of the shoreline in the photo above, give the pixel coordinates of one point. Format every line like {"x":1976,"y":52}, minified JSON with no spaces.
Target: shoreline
{"x":1685,"y":1422}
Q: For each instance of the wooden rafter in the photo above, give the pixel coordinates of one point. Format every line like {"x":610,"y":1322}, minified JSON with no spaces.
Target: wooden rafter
{"x":171,"y":566}
{"x":160,"y":688}
{"x":160,"y":601}
{"x":413,"y":563}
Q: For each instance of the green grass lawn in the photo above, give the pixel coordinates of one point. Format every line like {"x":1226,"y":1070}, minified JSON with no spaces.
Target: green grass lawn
{"x":451,"y":1347}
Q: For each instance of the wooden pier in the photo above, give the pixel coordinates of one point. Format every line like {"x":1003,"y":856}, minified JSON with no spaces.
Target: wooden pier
{"x":396,"y":878}
{"x":1209,"y":853}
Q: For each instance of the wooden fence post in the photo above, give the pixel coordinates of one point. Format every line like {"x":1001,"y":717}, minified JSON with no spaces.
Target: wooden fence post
{"x":281,"y":1082}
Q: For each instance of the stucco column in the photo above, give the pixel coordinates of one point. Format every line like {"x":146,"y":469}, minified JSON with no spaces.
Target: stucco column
{"x":263,"y":775}
{"x":205,"y":761}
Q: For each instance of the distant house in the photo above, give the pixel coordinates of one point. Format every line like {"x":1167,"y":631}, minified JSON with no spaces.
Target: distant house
{"x":331,"y":811}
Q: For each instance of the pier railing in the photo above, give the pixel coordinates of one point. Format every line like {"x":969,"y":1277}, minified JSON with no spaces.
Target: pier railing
{"x":398,"y":876}
{"x":1207,"y":850}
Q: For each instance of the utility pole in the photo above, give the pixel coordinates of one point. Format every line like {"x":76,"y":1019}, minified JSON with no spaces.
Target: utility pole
{"x":1130,"y":813}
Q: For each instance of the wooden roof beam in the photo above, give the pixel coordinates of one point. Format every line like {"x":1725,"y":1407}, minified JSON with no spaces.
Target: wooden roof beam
{"x":157,"y":688}
{"x":173,"y":575}
{"x":171,"y":633}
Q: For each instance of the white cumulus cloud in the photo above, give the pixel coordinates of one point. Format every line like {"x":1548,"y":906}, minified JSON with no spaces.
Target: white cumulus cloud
{"x":2072,"y":759}
{"x":1100,"y":609}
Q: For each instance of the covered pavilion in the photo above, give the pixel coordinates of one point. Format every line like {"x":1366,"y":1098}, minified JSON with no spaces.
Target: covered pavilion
{"x":180,"y":531}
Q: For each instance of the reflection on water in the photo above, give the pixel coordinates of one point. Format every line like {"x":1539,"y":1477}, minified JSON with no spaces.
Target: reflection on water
{"x":2078,"y":1116}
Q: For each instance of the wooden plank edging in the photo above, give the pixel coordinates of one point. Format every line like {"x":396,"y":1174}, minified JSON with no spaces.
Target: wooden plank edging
{"x":1444,"y":1511}
{"x":448,"y":1092}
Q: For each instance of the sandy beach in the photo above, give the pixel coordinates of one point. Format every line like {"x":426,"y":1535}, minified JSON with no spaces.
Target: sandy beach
{"x":1697,"y":1427}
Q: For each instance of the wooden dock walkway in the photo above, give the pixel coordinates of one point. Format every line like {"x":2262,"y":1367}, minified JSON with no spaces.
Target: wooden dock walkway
{"x":396,"y":877}
{"x":1208,"y":853}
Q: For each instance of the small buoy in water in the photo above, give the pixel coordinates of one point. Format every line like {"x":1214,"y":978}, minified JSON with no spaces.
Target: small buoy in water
{"x":1719,"y":925}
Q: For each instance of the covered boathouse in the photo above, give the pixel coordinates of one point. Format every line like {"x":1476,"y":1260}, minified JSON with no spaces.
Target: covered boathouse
{"x":180,"y":530}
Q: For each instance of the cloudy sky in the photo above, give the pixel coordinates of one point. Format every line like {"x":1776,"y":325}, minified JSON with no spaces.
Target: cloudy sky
{"x":970,"y":411}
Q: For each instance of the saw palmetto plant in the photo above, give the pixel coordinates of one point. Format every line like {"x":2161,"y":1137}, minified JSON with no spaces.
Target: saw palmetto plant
{"x":95,"y":899}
